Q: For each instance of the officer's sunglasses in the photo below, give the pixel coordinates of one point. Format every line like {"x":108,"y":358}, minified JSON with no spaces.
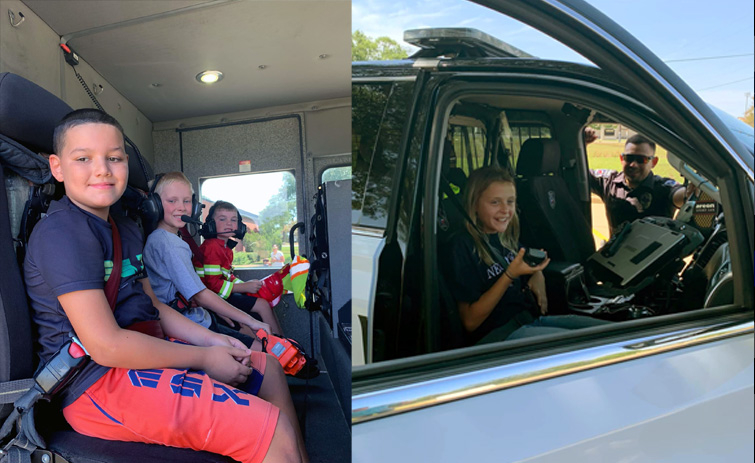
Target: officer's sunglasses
{"x":638,"y":158}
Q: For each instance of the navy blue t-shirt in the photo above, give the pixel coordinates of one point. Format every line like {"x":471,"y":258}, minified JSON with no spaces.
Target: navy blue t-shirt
{"x":471,"y":278}
{"x":72,"y":250}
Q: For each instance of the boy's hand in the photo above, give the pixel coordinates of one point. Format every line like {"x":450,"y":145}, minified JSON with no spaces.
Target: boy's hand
{"x":256,"y":325}
{"x":254,"y":285}
{"x":229,"y":341}
{"x":221,"y":364}
{"x":224,"y":340}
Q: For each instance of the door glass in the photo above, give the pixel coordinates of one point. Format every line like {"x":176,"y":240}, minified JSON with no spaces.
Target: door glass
{"x":267,"y":204}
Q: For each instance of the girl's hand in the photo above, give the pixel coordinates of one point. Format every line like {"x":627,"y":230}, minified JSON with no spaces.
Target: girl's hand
{"x":537,"y":286}
{"x":519,"y":267}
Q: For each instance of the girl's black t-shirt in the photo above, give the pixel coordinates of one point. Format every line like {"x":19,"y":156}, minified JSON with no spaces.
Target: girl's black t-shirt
{"x":471,"y":278}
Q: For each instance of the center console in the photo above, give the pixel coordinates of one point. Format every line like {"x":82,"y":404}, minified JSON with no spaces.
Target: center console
{"x":645,"y":253}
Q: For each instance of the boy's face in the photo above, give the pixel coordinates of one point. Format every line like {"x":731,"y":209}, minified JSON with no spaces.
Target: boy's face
{"x":93,"y":165}
{"x":226,"y":223}
{"x":176,"y":199}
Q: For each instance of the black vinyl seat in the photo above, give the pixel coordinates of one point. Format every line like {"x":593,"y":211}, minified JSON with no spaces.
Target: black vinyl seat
{"x":550,"y":218}
{"x":28,"y":114}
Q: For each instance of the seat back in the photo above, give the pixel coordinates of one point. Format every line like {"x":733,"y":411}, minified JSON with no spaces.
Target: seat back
{"x":28,"y":115}
{"x":550,"y":217}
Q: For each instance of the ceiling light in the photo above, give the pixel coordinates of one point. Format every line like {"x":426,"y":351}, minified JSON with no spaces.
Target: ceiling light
{"x":209,"y":77}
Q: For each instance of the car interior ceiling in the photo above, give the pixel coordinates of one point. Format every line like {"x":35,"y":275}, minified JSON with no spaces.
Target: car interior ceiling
{"x":702,"y":280}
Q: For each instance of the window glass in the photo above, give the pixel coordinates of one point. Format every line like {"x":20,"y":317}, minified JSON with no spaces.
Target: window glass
{"x":469,"y":146}
{"x":336,"y":173}
{"x":267,"y":204}
{"x":518,"y":126}
{"x":378,"y":117}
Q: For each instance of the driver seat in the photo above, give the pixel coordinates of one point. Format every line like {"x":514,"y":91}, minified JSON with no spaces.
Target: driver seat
{"x":550,"y":218}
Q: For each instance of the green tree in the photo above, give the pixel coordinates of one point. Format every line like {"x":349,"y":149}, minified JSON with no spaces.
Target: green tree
{"x":364,"y":48}
{"x":276,"y":220}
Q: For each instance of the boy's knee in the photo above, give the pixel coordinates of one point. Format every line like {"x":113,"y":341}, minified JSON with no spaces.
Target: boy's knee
{"x":273,"y":366}
{"x":262,"y":304}
{"x":284,"y":447}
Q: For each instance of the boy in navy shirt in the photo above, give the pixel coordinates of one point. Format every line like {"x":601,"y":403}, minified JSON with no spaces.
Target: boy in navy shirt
{"x":139,"y":387}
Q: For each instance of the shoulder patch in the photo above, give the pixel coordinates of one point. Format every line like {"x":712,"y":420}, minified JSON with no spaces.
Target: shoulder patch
{"x":669,"y":182}
{"x":604,"y":173}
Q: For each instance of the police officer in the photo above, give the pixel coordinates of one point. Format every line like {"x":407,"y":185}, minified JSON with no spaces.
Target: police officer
{"x":635,"y":192}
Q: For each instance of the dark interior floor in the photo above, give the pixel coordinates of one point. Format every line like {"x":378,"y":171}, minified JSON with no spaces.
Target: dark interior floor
{"x":320,"y":402}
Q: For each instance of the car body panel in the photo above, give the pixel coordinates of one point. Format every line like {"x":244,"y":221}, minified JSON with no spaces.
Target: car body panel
{"x":366,"y":245}
{"x":679,"y":406}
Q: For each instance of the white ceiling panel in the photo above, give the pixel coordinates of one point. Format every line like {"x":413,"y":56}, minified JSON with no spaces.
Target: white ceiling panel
{"x":271,"y":52}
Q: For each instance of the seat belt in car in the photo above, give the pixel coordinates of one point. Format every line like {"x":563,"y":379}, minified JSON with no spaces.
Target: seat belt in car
{"x":148,"y":327}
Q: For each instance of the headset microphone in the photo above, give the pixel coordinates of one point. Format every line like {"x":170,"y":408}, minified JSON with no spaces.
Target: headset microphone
{"x":192,"y":220}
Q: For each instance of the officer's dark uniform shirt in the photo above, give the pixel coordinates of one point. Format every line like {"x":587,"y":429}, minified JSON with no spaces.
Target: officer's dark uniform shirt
{"x":471,"y":278}
{"x":653,"y":197}
{"x":72,"y":250}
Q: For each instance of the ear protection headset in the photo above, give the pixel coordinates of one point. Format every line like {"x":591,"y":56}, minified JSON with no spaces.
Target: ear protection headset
{"x":152,"y":206}
{"x":210,"y":228}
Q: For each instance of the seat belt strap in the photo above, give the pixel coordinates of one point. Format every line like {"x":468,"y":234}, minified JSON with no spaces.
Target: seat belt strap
{"x":114,"y":281}
{"x":10,"y":391}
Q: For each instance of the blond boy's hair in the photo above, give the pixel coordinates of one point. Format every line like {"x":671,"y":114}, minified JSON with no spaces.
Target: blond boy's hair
{"x":170,"y":178}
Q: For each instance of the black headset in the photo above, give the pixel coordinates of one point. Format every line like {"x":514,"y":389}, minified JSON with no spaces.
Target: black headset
{"x":210,"y":228}
{"x":151,"y":207}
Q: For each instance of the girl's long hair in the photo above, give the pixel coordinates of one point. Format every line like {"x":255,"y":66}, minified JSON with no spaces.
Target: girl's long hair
{"x":479,"y":181}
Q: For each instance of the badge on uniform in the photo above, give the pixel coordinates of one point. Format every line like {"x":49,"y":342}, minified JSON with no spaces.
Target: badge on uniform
{"x":645,"y":199}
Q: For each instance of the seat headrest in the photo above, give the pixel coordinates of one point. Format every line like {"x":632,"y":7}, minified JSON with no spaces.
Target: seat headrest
{"x":139,"y":170}
{"x":538,"y":156}
{"x":28,"y":113}
{"x":457,"y":177}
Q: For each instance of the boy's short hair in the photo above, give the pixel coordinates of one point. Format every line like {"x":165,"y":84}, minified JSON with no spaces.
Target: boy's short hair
{"x":223,"y":206}
{"x":169,"y":178}
{"x":80,"y":117}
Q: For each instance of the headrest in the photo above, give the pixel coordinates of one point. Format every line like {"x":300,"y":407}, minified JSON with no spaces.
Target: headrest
{"x":28,"y":113}
{"x":457,"y":177}
{"x":538,"y":156}
{"x":139,"y":170}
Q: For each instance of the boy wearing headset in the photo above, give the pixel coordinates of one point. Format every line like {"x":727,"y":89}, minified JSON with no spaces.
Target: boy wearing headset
{"x":214,"y":264}
{"x":171,"y":273}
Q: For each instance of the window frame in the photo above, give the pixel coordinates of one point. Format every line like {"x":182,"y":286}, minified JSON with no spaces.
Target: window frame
{"x":403,"y":372}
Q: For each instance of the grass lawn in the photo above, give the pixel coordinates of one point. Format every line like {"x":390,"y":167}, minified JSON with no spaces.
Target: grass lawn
{"x":605,"y":155}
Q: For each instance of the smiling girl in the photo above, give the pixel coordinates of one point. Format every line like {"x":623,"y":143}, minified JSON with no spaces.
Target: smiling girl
{"x":499,"y":295}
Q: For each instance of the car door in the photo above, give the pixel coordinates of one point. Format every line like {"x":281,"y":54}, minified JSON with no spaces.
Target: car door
{"x":656,"y":392}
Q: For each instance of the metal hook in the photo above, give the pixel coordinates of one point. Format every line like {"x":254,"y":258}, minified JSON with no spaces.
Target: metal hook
{"x":12,"y":17}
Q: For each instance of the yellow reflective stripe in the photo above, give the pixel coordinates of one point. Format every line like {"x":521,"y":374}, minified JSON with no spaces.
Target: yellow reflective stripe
{"x":200,"y":271}
{"x":237,"y":280}
{"x":212,"y":270}
{"x":225,"y":290}
{"x":226,"y":272}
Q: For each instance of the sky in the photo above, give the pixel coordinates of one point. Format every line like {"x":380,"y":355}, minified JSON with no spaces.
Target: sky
{"x":683,"y":33}
{"x":248,"y":193}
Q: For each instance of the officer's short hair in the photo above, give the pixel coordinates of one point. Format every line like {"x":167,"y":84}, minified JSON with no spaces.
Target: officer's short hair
{"x":638,"y":139}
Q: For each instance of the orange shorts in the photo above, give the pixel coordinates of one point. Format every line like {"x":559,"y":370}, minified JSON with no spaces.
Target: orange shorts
{"x":178,"y":408}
